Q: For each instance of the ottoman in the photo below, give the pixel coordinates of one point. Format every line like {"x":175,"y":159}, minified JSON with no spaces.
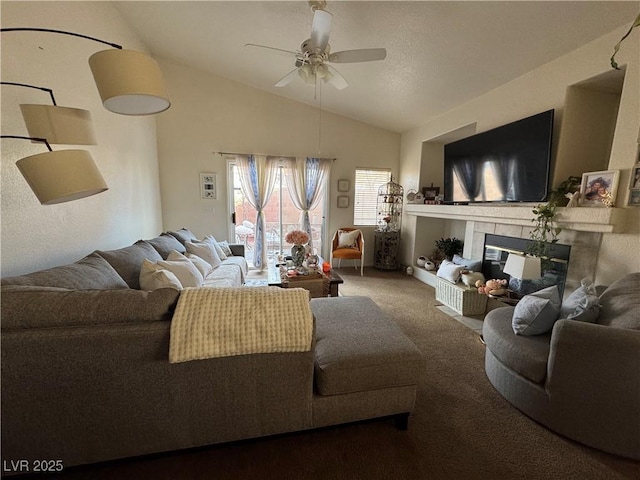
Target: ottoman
{"x":364,"y":365}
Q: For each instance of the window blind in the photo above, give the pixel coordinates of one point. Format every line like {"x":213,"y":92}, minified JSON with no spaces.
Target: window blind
{"x":367,"y":182}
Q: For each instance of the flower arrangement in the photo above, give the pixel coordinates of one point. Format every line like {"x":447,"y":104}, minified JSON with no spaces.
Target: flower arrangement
{"x":297,"y":237}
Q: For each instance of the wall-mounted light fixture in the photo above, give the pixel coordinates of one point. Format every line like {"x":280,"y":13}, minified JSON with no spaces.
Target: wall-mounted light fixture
{"x":129,"y":82}
{"x":60,"y":176}
{"x":58,"y":125}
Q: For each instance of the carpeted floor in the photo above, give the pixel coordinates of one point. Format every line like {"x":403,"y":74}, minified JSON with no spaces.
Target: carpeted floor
{"x":461,"y":428}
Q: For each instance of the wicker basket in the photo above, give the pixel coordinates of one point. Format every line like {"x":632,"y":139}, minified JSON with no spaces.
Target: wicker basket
{"x":458,"y":297}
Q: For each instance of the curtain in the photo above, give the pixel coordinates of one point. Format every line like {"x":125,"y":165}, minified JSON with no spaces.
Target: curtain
{"x":257,"y":178}
{"x":306,"y":179}
{"x":468,"y":177}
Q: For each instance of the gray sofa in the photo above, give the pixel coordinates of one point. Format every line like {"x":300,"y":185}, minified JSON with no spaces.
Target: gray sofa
{"x":581,"y":380}
{"x":86,"y":376}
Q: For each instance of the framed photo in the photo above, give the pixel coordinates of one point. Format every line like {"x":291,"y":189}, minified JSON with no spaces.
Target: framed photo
{"x":596,"y":187}
{"x":634,"y":183}
{"x":343,"y":201}
{"x":343,"y":185}
{"x":430,"y":193}
{"x":634,"y":198}
{"x":208,"y":186}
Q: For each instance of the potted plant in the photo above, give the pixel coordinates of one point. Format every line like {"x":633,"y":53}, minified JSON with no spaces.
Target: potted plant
{"x":558,"y":196}
{"x":545,"y":233}
{"x":449,"y":247}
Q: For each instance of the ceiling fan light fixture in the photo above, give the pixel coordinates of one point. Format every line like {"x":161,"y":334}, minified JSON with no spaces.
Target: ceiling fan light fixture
{"x":321,"y":70}
{"x":305,"y":72}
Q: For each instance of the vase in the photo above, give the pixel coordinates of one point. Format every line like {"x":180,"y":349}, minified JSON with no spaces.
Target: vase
{"x":298,"y":254}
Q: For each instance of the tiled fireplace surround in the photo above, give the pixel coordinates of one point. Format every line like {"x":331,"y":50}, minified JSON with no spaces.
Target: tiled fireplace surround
{"x":582,"y":229}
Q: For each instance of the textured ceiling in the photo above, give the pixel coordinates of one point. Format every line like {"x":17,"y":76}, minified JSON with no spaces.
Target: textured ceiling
{"x":439,"y":54}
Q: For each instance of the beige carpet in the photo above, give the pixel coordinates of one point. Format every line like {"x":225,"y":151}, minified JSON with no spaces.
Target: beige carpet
{"x":461,"y":428}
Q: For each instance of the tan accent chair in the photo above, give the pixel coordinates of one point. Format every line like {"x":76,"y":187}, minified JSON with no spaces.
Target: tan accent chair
{"x":354,"y":252}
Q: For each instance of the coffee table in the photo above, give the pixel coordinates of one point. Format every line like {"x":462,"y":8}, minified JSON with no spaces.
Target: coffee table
{"x":323,"y":285}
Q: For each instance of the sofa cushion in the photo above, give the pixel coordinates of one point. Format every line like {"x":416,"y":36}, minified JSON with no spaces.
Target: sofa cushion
{"x":621,"y":303}
{"x":202,"y":265}
{"x":32,"y":308}
{"x":90,"y":273}
{"x":184,"y":235}
{"x":582,"y":305}
{"x":224,"y":245}
{"x":527,"y":355}
{"x":537,"y":312}
{"x":182,"y":268}
{"x":128,"y":261}
{"x":219,"y":250}
{"x":204,"y":251}
{"x":226,"y":275}
{"x":153,"y":277}
{"x":359,"y":348}
{"x":165,"y":244}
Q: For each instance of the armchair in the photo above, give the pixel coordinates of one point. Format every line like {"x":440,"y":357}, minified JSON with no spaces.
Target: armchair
{"x":348,"y":243}
{"x":581,"y":380}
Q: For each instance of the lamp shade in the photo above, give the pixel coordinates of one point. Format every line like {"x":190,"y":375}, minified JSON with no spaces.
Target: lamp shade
{"x":523,"y":267}
{"x":62,"y":176}
{"x":129,"y":82}
{"x":59,"y":125}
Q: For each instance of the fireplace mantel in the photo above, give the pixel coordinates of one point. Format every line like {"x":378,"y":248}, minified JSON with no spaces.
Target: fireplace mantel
{"x":583,"y":219}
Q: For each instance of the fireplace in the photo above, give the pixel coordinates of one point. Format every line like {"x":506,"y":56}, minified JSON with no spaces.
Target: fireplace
{"x":554,"y":267}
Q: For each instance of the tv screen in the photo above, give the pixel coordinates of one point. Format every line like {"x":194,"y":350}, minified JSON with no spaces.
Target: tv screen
{"x":510,"y":163}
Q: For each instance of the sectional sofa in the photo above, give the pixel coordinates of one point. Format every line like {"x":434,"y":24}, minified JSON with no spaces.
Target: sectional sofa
{"x":86,"y":376}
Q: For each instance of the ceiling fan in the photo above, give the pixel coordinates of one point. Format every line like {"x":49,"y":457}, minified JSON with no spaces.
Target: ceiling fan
{"x":313,"y":60}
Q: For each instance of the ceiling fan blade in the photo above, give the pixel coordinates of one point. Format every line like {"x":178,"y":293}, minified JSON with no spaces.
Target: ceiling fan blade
{"x":286,"y":80}
{"x":288,"y":52}
{"x":362,"y":55}
{"x":320,"y":29}
{"x":334,"y":78}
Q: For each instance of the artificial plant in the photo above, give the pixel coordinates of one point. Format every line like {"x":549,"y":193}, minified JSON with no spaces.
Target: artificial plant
{"x":636,"y":23}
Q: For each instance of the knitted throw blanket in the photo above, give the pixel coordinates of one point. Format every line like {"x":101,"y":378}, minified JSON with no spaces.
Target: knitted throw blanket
{"x":220,"y":322}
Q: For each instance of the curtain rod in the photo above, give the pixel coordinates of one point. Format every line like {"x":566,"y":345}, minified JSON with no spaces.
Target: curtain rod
{"x":267,"y":155}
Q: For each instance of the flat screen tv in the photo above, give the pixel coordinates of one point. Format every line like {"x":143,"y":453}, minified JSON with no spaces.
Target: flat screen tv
{"x":510,"y":163}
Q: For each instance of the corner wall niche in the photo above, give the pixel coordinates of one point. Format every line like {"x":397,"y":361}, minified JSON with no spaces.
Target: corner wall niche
{"x":588,"y":125}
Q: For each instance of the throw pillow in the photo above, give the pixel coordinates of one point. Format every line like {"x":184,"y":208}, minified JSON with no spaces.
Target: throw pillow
{"x":449,"y":271}
{"x":536,"y":313}
{"x":583,"y":304}
{"x":473,"y":265}
{"x":202,"y":265}
{"x":348,"y":239}
{"x":470,"y":279}
{"x":212,"y":240}
{"x":205,"y":251}
{"x":186,"y":271}
{"x":153,"y":277}
{"x":224,"y":245}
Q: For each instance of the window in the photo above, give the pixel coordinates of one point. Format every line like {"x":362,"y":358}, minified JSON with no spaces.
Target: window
{"x":368,"y":180}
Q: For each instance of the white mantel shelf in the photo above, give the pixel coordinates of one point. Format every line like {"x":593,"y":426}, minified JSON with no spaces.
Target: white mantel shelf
{"x":583,"y":219}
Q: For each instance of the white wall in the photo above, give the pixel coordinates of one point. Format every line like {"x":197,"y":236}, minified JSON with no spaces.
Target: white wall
{"x":212,"y":114}
{"x":539,"y":90}
{"x":36,"y":236}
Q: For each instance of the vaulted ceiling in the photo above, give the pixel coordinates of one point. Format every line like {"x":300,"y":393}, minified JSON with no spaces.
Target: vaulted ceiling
{"x":439,"y":54}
